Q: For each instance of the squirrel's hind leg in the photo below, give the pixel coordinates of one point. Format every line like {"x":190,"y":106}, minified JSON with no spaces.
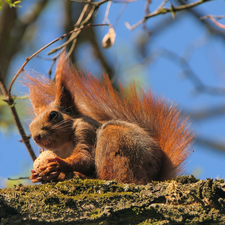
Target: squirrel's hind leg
{"x":127,"y":153}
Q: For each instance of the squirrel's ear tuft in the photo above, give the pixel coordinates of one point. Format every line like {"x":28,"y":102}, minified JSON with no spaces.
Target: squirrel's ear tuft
{"x":65,"y":87}
{"x":41,"y":91}
{"x":38,"y":102}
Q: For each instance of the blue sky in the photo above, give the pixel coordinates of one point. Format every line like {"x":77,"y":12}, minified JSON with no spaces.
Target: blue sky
{"x":164,"y":76}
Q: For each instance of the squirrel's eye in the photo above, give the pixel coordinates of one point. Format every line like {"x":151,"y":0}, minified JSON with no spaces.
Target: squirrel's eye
{"x":68,"y":111}
{"x":53,"y":115}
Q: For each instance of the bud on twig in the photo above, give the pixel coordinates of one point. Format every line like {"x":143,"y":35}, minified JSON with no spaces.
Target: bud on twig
{"x":109,"y":39}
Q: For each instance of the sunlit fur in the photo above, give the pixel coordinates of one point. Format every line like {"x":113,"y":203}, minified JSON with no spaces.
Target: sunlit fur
{"x":100,"y":101}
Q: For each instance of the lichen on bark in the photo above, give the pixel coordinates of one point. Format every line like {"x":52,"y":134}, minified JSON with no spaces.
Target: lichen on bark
{"x":184,"y":200}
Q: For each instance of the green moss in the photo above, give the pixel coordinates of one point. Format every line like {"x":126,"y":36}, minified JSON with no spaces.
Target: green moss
{"x":182,"y":200}
{"x":154,"y":222}
{"x":189,"y":179}
{"x":95,"y":214}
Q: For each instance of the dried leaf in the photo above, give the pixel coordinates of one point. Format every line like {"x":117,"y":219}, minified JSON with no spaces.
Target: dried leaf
{"x":109,"y":39}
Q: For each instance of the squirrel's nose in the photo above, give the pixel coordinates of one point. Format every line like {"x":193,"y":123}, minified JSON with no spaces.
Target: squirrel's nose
{"x":37,"y":138}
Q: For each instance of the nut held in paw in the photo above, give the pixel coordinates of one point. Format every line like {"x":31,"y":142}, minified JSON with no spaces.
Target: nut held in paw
{"x":41,"y":160}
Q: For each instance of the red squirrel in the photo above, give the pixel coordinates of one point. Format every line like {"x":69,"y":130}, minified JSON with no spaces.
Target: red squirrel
{"x":98,"y":132}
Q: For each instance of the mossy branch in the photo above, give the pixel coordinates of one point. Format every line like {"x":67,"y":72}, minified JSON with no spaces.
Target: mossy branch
{"x":183,"y":200}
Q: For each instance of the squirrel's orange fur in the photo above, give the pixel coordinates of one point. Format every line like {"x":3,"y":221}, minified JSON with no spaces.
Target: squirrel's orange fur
{"x":132,"y":138}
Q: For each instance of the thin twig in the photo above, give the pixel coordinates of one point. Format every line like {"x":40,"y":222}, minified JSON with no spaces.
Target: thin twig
{"x":212,"y":18}
{"x":125,"y":1}
{"x":199,"y":86}
{"x":53,"y":59}
{"x":19,"y":178}
{"x":207,"y":113}
{"x":188,"y":71}
{"x":162,"y":10}
{"x":147,"y":7}
{"x":102,"y":2}
{"x":53,"y":63}
{"x":196,"y":44}
{"x":79,"y":24}
{"x":119,"y":15}
{"x":162,"y":4}
{"x":89,"y":2}
{"x":10,"y":102}
{"x":82,"y":21}
{"x":72,"y":47}
{"x":210,"y":143}
{"x":52,"y":42}
{"x":107,"y":12}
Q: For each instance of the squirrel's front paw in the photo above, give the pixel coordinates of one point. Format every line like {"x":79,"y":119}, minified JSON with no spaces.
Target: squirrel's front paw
{"x":43,"y":178}
{"x":48,"y":167}
{"x":35,"y":177}
{"x":51,"y":170}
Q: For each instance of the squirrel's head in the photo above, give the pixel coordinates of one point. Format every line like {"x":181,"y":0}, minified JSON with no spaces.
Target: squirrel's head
{"x":52,"y":125}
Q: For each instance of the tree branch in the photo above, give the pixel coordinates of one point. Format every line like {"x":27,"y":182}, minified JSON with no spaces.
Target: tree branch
{"x":187,"y":70}
{"x":210,"y":143}
{"x":82,"y":20}
{"x":211,"y":29}
{"x":211,"y":17}
{"x":206,"y":113}
{"x":52,"y":42}
{"x":184,"y":200}
{"x":161,"y":10}
{"x":11,"y":104}
{"x":11,"y":23}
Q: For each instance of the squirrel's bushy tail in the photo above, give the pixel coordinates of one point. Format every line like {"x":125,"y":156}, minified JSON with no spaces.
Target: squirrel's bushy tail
{"x":99,"y":100}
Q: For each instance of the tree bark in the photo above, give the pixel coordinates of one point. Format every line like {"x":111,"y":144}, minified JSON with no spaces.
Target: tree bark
{"x":184,"y":200}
